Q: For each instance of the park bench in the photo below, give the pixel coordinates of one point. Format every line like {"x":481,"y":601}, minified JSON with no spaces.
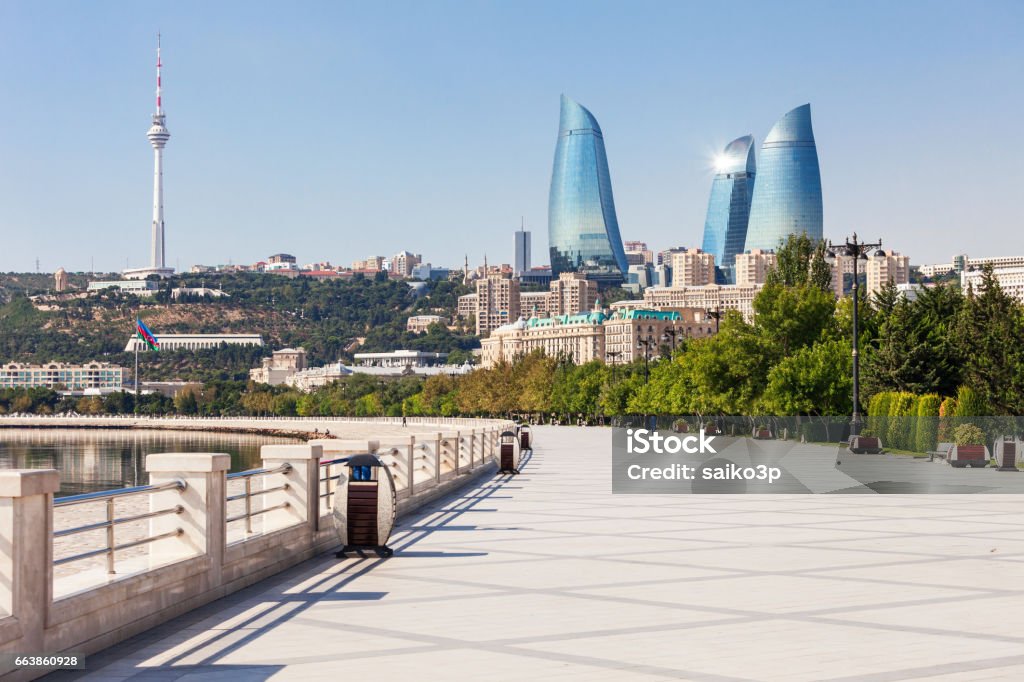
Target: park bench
{"x":942,"y":451}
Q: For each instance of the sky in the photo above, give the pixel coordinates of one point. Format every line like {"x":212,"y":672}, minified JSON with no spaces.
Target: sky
{"x":339,"y":130}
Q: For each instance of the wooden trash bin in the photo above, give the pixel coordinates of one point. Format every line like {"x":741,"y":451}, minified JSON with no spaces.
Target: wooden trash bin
{"x":508,"y":453}
{"x":1006,"y":457}
{"x":365,"y":506}
{"x":525,"y":438}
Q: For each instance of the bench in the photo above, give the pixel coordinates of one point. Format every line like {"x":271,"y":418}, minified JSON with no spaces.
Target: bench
{"x":942,"y":452}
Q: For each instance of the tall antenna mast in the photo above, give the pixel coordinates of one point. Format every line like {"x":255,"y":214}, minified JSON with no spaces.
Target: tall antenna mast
{"x":159,"y":103}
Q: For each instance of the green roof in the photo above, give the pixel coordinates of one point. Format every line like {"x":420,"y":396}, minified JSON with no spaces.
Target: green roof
{"x":662,"y":315}
{"x":580,"y":318}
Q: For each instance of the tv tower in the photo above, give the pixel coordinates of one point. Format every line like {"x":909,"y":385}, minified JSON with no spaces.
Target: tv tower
{"x":158,"y":136}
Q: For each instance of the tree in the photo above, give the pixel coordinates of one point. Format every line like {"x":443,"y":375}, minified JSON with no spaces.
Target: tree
{"x":990,"y":327}
{"x":793,"y":317}
{"x":816,"y":380}
{"x":916,"y":349}
{"x":800,"y":261}
{"x":727,"y":372}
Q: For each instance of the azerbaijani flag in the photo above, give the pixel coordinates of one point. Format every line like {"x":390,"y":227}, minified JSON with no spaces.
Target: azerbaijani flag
{"x":142,"y":331}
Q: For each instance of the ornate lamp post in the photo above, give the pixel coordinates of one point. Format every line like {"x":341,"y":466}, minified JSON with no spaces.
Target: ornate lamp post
{"x":857,"y":250}
{"x":716,"y":314}
{"x":669,"y":335}
{"x":614,"y":356}
{"x":646,"y":345}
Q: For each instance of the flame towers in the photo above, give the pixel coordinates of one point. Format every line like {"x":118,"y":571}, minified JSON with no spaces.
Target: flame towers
{"x":583,"y":232}
{"x":787,"y":195}
{"x":158,"y":136}
{"x":725,"y":228}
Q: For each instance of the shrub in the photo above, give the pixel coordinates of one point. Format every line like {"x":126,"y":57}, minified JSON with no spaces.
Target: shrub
{"x":898,"y":431}
{"x":969,"y":403}
{"x":926,"y":436}
{"x":947,"y":420}
{"x":878,"y":412}
{"x":968,"y":434}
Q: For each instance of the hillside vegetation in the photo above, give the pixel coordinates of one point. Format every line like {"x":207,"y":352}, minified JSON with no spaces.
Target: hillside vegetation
{"x":330,"y":319}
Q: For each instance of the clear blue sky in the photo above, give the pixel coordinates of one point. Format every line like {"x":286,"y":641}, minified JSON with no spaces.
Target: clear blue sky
{"x":339,"y":130}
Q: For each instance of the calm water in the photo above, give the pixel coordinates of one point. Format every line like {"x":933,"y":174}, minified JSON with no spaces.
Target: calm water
{"x":100,"y":459}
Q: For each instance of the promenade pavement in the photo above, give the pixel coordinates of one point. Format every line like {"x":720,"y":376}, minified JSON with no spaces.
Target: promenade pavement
{"x":549,"y":576}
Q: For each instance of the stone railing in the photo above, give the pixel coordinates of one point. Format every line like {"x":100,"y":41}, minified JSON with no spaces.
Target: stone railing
{"x":20,"y":419}
{"x":209,"y":533}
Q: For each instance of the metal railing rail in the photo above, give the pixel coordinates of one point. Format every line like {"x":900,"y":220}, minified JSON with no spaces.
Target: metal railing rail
{"x":327,"y":491}
{"x":111,"y":521}
{"x":247,"y":477}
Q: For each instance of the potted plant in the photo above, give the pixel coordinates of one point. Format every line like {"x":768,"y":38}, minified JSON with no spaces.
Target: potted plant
{"x":968,"y":447}
{"x":866,"y":443}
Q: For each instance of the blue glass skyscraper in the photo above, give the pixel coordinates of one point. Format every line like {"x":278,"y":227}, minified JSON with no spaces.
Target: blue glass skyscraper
{"x":583,"y":232}
{"x":787,"y":196}
{"x":725,"y":228}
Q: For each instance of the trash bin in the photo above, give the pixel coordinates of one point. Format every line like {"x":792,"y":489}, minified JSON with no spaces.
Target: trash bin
{"x":508,"y":453}
{"x":1006,"y":454}
{"x":365,"y":506}
{"x":525,"y":437}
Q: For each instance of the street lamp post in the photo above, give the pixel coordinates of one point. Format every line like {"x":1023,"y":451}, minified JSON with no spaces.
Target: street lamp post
{"x":857,"y":250}
{"x":670,"y":334}
{"x":646,"y":345}
{"x":614,"y":355}
{"x":716,"y":314}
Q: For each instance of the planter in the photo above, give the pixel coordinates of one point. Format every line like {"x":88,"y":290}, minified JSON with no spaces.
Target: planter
{"x":865,"y":445}
{"x":969,"y":456}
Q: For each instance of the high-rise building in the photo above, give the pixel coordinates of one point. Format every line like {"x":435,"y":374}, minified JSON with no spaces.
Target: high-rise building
{"x":583,"y":232}
{"x":692,"y":268}
{"x":497,"y":303}
{"x":403,"y":262}
{"x":787,"y":194}
{"x":752,"y":266}
{"x":522,"y":261}
{"x":637,"y":253}
{"x":725,"y":228}
{"x":158,"y":136}
{"x":884,"y":267}
{"x":571,"y":293}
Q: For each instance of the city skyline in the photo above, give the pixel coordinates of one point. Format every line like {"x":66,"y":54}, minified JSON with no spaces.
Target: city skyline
{"x":293,"y":128}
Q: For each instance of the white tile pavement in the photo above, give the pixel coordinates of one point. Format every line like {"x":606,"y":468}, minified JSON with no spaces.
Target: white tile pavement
{"x":550,"y":576}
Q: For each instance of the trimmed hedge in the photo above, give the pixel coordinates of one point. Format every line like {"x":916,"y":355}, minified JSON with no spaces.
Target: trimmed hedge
{"x":927,"y":434}
{"x":901,"y":423}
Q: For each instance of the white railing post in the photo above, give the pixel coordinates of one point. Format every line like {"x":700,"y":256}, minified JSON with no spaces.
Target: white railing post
{"x":437,"y":459}
{"x":203,"y":500}
{"x":458,"y":452}
{"x":26,"y":562}
{"x":410,"y":455}
{"x":302,"y":494}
